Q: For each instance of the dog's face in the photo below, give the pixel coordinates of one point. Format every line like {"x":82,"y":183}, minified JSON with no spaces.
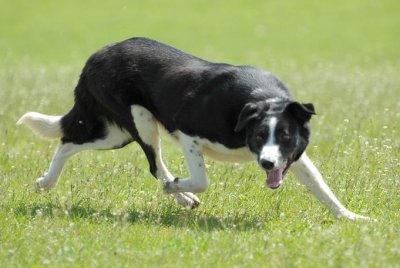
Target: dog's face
{"x":277,"y":134}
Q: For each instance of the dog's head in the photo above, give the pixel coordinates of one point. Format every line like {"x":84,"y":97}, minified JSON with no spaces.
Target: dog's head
{"x":277,"y":133}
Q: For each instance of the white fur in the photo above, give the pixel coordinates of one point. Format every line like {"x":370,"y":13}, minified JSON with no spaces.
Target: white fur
{"x":115,"y":137}
{"x":148,"y":131}
{"x":220,"y":152}
{"x":198,"y":180}
{"x":50,"y":178}
{"x":270,"y":151}
{"x":145,"y":124}
{"x":309,"y":175}
{"x":147,"y":127}
{"x":273,"y":100}
{"x":273,"y":121}
{"x":45,"y":126}
{"x":49,"y":127}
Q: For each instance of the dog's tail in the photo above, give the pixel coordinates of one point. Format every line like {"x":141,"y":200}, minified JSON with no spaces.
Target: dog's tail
{"x":45,"y":126}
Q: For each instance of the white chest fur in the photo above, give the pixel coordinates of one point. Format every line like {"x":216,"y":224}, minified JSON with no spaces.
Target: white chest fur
{"x":219,"y":152}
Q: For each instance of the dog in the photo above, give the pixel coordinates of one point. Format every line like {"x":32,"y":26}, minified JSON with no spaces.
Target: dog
{"x":128,"y":90}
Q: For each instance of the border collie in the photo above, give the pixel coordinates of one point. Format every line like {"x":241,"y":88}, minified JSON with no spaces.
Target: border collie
{"x":129,"y":89}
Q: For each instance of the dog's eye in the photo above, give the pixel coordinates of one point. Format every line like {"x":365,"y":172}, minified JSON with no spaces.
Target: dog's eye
{"x":260,"y":138}
{"x":285,"y":138}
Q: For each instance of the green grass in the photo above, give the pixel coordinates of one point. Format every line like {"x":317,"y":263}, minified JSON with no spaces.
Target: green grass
{"x":108,"y":211}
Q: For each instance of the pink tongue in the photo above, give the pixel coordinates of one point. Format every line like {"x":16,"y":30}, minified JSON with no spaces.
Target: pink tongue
{"x":275,"y":178}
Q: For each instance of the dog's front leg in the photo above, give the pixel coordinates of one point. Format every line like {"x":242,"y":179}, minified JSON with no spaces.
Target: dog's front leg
{"x":198,"y":180}
{"x":309,"y":175}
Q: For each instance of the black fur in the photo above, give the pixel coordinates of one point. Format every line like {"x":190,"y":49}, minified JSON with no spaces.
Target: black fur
{"x":183,"y":92}
{"x":178,"y":88}
{"x":292,"y":131}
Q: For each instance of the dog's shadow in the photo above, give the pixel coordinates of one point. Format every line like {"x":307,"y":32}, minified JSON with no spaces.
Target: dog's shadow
{"x":169,"y":215}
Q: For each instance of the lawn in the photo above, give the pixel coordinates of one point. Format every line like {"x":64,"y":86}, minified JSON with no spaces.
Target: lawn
{"x":108,"y":211}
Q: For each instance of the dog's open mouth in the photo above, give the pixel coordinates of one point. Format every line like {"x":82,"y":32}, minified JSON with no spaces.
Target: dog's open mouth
{"x":275,"y":177}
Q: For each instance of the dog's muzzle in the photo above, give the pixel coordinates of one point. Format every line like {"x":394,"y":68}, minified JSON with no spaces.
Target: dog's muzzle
{"x":275,"y":177}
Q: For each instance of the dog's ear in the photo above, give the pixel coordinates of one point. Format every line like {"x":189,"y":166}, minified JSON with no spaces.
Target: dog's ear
{"x":303,"y":112}
{"x":249,"y":112}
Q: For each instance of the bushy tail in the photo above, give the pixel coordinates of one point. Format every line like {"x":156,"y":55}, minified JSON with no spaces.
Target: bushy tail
{"x":45,"y":126}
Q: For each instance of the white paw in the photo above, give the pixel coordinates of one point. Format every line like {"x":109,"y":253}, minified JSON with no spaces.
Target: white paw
{"x":42,"y":184}
{"x":171,"y":187}
{"x":187,"y":200}
{"x":38,"y":185}
{"x":353,"y":216}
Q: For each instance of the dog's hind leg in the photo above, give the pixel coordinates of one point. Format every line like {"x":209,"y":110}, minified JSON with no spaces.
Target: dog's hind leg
{"x":149,"y":140}
{"x":114,"y":138}
{"x":49,"y":127}
{"x":309,"y":175}
{"x":63,"y":152}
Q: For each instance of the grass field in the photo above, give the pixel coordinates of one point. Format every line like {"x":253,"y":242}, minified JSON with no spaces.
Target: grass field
{"x":107,"y":210}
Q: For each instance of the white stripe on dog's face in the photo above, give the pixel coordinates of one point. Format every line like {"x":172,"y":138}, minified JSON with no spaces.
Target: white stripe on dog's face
{"x":270,"y":151}
{"x":272,"y":126}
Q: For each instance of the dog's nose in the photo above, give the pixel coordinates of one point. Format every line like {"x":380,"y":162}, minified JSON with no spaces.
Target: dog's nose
{"x":268,"y":165}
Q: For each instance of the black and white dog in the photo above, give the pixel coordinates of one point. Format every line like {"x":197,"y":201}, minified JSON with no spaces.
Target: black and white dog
{"x":231,"y":113}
